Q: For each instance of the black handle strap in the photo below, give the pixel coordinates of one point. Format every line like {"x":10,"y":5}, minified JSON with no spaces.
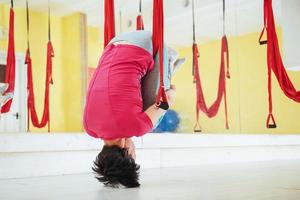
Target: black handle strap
{"x":197,"y":127}
{"x":163,"y":105}
{"x":260,"y":40}
{"x":271,"y":121}
{"x":272,"y":126}
{"x":12,"y":3}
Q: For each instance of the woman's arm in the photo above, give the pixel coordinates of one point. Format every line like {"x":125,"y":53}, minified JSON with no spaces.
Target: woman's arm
{"x":154,"y":112}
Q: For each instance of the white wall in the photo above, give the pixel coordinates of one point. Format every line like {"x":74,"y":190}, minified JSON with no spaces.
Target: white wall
{"x":27,"y":155}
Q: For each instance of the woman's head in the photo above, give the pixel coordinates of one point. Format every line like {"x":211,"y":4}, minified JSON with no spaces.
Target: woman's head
{"x":114,"y":166}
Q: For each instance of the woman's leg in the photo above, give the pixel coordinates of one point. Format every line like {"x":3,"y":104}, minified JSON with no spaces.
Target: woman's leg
{"x":150,"y":82}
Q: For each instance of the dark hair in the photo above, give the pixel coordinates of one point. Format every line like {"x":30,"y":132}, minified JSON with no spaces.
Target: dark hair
{"x":114,"y":166}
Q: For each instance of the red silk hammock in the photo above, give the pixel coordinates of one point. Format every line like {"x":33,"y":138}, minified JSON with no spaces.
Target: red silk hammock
{"x":157,"y":40}
{"x":109,"y":21}
{"x":139,"y":18}
{"x":275,"y":63}
{"x":10,"y":60}
{"x":200,"y":100}
{"x":158,"y":46}
{"x":31,"y":100}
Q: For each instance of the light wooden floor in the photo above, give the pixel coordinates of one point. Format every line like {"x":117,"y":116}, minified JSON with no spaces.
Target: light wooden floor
{"x":278,"y":180}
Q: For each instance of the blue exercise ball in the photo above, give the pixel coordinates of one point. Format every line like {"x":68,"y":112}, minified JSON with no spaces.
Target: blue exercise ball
{"x":169,"y":123}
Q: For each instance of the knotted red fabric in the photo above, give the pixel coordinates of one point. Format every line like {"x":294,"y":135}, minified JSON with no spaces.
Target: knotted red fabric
{"x":10,"y":62}
{"x":139,"y":22}
{"x":109,"y":21}
{"x":158,"y":46}
{"x":200,"y":102}
{"x":275,"y":63}
{"x":31,"y":101}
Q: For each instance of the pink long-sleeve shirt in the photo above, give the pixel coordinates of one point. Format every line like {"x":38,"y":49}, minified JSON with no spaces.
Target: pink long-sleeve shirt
{"x":114,"y":102}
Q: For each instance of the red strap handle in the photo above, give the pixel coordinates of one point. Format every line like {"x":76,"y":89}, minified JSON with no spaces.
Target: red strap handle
{"x":197,"y":127}
{"x":260,"y":40}
{"x":273,"y":124}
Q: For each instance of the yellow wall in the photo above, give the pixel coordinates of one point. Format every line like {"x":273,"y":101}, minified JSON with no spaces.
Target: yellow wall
{"x":95,"y":46}
{"x":72,"y":73}
{"x":246,"y":90}
{"x":65,"y":104}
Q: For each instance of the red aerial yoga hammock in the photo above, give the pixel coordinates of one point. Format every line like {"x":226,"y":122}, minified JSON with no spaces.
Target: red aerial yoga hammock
{"x":200,"y":102}
{"x":31,"y":101}
{"x":158,"y":46}
{"x":109,"y":21}
{"x":10,"y":60}
{"x":275,"y":62}
{"x":139,"y":18}
{"x":157,"y":40}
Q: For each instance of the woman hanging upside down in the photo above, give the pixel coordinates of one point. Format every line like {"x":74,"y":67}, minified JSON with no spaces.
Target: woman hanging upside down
{"x":120,"y":103}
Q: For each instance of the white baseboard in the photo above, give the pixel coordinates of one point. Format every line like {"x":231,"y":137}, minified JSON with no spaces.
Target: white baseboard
{"x":29,"y":155}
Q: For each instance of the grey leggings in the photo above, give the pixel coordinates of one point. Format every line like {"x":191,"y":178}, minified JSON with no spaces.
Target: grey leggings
{"x":150,"y":82}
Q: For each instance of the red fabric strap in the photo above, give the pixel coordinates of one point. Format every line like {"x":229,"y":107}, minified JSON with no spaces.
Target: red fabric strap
{"x":201,"y":103}
{"x":197,"y":127}
{"x":158,"y":46}
{"x":10,"y":62}
{"x":275,"y":63}
{"x":109,"y":21}
{"x":31,"y":101}
{"x":139,"y":22}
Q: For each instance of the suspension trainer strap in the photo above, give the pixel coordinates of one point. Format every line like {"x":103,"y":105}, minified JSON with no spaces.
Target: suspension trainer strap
{"x":260,"y":39}
{"x":197,"y":127}
{"x":194,"y":39}
{"x":140,"y":6}
{"x":225,"y":59}
{"x":270,"y":123}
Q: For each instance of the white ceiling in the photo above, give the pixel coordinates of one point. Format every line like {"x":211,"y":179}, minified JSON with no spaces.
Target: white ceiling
{"x":242,"y":16}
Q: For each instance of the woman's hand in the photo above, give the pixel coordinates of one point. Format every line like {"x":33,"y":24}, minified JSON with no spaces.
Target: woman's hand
{"x":171,"y":95}
{"x":129,"y":145}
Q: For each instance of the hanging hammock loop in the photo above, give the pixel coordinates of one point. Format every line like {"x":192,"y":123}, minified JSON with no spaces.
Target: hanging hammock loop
{"x":32,"y":114}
